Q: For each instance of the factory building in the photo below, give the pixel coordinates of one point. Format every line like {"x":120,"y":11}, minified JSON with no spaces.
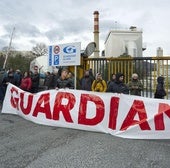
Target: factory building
{"x":128,"y":42}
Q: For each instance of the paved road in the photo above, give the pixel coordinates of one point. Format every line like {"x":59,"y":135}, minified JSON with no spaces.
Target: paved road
{"x":25,"y":144}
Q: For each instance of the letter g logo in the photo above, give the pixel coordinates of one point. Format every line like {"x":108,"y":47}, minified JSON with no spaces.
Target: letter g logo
{"x":69,"y":49}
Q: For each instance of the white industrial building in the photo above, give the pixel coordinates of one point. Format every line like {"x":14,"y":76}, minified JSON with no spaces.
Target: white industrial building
{"x":129,"y":42}
{"x":41,"y":63}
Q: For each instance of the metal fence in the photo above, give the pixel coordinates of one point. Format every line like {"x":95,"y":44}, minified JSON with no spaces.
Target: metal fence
{"x":148,"y":69}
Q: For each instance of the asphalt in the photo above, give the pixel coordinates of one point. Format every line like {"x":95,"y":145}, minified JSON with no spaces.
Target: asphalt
{"x":24,"y":144}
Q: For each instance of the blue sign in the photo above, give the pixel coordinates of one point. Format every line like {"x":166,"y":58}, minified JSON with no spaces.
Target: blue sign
{"x":50,"y":56}
{"x":69,"y":49}
{"x":64,"y":54}
{"x":56,"y":59}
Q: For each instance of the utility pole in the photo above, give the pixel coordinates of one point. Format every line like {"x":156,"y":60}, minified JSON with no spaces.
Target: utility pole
{"x":9,"y":47}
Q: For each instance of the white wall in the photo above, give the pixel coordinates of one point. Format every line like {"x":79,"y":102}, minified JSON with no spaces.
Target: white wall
{"x":42,"y":64}
{"x":117,"y":42}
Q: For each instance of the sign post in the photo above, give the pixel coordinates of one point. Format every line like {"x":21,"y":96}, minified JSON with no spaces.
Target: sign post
{"x":65,"y":55}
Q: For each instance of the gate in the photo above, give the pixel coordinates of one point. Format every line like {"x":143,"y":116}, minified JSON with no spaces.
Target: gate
{"x":148,"y":69}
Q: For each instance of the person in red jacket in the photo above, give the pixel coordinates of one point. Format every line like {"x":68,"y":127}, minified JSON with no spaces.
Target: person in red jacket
{"x":26,"y":82}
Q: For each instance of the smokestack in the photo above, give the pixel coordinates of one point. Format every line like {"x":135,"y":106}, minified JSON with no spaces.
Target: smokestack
{"x":96,"y":33}
{"x":159,"y":52}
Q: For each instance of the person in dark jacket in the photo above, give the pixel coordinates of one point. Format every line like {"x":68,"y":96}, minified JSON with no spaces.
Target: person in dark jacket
{"x":7,"y":79}
{"x":113,"y":77}
{"x":35,"y":81}
{"x":53,"y":78}
{"x":63,"y":81}
{"x":47,"y":80}
{"x":18,"y":77}
{"x":86,"y":81}
{"x":118,"y":86}
{"x":160,"y":91}
{"x":91,"y":74}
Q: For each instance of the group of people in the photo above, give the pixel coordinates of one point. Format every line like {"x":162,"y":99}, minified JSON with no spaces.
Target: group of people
{"x":62,"y":78}
{"x":28,"y":81}
{"x":117,"y":85}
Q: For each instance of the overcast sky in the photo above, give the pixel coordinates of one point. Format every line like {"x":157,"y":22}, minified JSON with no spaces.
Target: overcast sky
{"x":64,"y":21}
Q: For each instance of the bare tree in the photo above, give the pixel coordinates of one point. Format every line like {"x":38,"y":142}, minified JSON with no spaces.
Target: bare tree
{"x":40,"y":49}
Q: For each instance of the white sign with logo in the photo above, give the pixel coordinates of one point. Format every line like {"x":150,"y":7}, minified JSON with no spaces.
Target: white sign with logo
{"x":64,"y":54}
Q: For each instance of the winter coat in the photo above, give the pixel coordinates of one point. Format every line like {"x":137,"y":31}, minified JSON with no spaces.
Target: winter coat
{"x":9,"y":79}
{"x":65,"y":83}
{"x":118,"y":86}
{"x":86,"y":83}
{"x":135,"y":87}
{"x":35,"y":80}
{"x":53,"y":80}
{"x":160,"y":91}
{"x":99,"y":86}
{"x":48,"y":81}
{"x":26,"y":84}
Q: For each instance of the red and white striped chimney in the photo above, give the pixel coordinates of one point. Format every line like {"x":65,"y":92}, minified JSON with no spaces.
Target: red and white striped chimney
{"x":96,"y":33}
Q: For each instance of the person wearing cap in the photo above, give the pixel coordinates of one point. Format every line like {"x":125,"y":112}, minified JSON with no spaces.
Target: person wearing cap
{"x":160,"y":90}
{"x":135,"y":85}
{"x":63,"y":81}
{"x":118,"y":86}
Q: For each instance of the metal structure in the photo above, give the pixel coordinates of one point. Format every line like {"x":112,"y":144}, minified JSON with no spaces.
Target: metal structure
{"x":148,"y":69}
{"x":96,"y":33}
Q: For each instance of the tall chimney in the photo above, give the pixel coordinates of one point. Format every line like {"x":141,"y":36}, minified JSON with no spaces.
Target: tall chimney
{"x":159,"y":52}
{"x":96,"y":33}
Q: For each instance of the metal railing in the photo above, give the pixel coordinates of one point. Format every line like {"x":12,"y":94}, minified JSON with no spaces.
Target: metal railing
{"x":148,"y":69}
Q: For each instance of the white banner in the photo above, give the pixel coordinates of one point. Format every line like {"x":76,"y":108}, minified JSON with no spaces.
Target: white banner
{"x":64,"y":54}
{"x":117,"y":114}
